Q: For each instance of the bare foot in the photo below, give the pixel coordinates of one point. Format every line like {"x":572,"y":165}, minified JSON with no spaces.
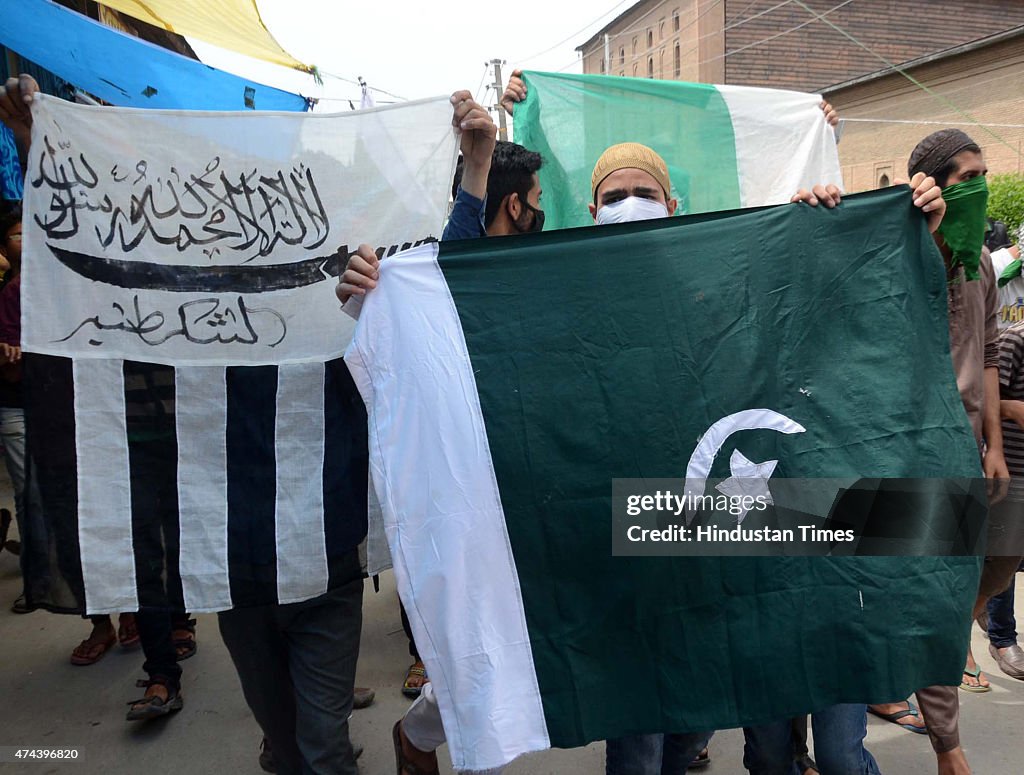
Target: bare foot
{"x":973,"y":677}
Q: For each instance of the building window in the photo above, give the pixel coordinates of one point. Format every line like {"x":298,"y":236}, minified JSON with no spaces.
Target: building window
{"x":650,"y":67}
{"x":634,"y":69}
{"x":883,"y":182}
{"x":675,"y":20}
{"x":602,"y":66}
{"x":676,"y":64}
{"x":634,"y":45}
{"x":650,"y":39}
{"x":661,"y":64}
{"x":661,"y":29}
{"x":622,"y":56}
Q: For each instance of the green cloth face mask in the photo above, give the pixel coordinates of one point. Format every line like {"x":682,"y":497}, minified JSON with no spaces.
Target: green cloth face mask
{"x":963,"y":226}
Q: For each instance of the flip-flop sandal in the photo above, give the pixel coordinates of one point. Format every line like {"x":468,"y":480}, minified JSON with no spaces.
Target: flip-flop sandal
{"x":405,"y":767}
{"x":416,"y":669}
{"x":127,"y":631}
{"x":89,"y":652}
{"x":975,"y":674}
{"x":895,"y":718}
{"x":702,"y":760}
{"x":186,"y":647}
{"x":154,"y":707}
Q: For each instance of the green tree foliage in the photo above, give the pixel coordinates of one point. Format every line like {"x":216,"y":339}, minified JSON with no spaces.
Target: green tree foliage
{"x":1006,"y":200}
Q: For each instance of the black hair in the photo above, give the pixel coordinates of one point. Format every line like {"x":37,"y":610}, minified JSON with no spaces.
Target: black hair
{"x":10,"y":218}
{"x":512,"y":171}
{"x":942,"y":174}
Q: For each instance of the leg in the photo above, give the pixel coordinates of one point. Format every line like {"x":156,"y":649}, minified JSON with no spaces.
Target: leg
{"x":323,"y":646}
{"x":163,"y":690}
{"x":839,"y":733}
{"x":155,"y":634}
{"x":261,"y":660}
{"x":416,"y":677}
{"x":1002,"y":624}
{"x":768,"y":749}
{"x":680,"y":749}
{"x":941,"y":708}
{"x":634,"y":755}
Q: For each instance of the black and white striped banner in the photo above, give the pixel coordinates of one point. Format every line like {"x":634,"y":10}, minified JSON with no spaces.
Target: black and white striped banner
{"x":196,"y":437}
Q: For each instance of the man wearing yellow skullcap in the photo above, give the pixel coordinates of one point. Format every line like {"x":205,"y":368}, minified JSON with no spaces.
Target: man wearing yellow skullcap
{"x":630,"y":183}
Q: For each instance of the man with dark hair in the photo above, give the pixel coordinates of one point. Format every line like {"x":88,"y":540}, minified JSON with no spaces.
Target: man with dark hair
{"x":956,"y":162}
{"x":511,"y":204}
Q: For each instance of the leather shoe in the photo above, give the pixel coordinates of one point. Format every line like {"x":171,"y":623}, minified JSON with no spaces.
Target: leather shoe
{"x":1011,"y":661}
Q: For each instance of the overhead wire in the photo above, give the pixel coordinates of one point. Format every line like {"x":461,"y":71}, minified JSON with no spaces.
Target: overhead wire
{"x":956,"y":108}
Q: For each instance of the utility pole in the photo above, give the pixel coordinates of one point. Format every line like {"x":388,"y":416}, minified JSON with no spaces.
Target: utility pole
{"x":498,"y":90}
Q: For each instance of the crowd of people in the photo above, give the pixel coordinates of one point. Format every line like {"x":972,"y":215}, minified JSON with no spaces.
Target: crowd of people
{"x":296,"y":662}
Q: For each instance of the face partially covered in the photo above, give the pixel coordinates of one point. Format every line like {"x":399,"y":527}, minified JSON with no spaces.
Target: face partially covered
{"x":629,"y":182}
{"x":967,"y":165}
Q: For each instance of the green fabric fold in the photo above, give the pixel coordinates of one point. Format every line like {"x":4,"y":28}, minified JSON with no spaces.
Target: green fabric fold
{"x":963,"y":226}
{"x":1012,"y":272}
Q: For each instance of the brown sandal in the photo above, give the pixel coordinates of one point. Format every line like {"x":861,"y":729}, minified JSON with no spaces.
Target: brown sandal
{"x":127,"y":631}
{"x":90,"y":651}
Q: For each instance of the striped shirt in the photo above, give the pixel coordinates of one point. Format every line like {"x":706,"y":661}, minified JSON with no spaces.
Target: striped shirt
{"x":1011,"y":388}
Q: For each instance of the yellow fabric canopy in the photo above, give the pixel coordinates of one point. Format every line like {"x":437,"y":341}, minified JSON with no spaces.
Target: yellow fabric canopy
{"x":232,"y":24}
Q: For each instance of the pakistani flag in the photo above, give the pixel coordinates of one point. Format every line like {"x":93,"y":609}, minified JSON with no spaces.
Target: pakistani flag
{"x":725,"y":146}
{"x":508,"y":381}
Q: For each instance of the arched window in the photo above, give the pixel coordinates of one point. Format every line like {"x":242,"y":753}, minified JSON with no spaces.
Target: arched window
{"x":650,"y":67}
{"x":650,"y":39}
{"x":634,"y":45}
{"x":602,"y":67}
{"x":634,"y":69}
{"x":661,"y":30}
{"x":676,"y":64}
{"x":661,"y":63}
{"x":675,"y":20}
{"x":883,"y":182}
{"x":622,"y":56}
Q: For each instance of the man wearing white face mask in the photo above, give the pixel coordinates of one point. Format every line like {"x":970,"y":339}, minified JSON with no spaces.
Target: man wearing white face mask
{"x":630,"y":183}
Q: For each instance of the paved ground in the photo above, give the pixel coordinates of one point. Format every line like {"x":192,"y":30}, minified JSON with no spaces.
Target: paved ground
{"x":44,"y":701}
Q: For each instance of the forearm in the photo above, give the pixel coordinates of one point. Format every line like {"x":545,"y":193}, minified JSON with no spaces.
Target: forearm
{"x":1010,"y":409}
{"x":992,"y":428}
{"x":474,"y":179}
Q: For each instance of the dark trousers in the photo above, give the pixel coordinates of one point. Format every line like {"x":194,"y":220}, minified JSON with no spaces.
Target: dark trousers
{"x":297,"y":667}
{"x":155,"y":635}
{"x":413,"y":651}
{"x":1002,"y":624}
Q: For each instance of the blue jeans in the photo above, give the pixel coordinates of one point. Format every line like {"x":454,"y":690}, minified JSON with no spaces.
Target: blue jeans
{"x":839,"y":733}
{"x":653,"y":754}
{"x":1002,"y":626}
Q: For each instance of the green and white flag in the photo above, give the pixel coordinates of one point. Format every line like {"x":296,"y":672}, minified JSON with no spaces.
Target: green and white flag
{"x":508,"y":381}
{"x":725,"y":146}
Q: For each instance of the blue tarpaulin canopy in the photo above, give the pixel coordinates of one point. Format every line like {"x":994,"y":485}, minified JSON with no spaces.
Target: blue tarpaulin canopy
{"x":124,"y":70}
